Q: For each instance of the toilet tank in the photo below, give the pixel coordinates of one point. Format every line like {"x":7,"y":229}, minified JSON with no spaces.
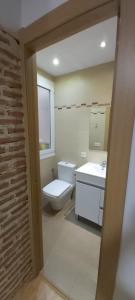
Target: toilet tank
{"x":66,"y":171}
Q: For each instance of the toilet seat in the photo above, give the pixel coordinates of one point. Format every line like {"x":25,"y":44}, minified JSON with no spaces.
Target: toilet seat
{"x":57,"y":188}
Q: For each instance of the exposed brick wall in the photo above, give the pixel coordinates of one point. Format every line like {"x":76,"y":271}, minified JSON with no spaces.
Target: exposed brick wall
{"x":15,"y":246}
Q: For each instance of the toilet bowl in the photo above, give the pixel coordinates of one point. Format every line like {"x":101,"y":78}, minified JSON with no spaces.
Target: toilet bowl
{"x":57,"y":193}
{"x":59,"y":190}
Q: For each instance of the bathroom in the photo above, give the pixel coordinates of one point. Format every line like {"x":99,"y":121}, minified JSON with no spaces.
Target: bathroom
{"x":73,"y":138}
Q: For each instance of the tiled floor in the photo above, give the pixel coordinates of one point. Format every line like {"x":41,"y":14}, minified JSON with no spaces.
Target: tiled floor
{"x":38,"y":289}
{"x":71,"y":256}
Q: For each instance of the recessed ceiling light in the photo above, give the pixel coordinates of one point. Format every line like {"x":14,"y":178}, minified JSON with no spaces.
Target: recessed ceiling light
{"x":103,"y":44}
{"x":56,"y":61}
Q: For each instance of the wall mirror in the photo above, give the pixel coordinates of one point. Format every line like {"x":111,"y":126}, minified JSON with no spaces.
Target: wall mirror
{"x":99,"y":127}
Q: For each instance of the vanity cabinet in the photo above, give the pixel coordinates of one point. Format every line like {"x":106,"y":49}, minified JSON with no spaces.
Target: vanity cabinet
{"x":90,"y":186}
{"x":89,"y":202}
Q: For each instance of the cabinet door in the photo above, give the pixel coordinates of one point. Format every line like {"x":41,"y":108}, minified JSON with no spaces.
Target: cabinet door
{"x":87,"y":202}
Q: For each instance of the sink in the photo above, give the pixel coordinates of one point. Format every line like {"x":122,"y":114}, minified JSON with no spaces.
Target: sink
{"x":92,"y":173}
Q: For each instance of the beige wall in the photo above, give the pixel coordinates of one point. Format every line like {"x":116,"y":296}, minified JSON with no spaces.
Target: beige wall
{"x":46,"y":170}
{"x":72,"y":125}
{"x":92,"y":84}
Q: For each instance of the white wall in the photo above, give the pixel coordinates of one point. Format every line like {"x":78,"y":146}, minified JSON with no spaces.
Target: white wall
{"x":10,"y":14}
{"x":125,"y":282}
{"x":15,"y":14}
{"x":34,"y":9}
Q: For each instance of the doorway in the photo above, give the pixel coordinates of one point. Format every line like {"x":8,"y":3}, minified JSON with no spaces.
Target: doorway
{"x":105,"y":287}
{"x":74,"y":103}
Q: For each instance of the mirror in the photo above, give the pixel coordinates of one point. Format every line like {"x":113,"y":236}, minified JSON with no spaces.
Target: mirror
{"x":99,"y":127}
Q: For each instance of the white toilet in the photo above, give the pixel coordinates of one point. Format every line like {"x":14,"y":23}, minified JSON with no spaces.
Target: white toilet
{"x":59,"y":190}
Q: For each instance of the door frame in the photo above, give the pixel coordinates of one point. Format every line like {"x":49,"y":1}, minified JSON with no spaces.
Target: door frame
{"x":68,"y":19}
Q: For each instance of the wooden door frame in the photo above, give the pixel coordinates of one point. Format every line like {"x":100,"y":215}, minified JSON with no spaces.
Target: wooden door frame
{"x":70,"y":18}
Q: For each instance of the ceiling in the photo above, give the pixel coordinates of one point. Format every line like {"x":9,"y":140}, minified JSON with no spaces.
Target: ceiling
{"x":81,"y":50}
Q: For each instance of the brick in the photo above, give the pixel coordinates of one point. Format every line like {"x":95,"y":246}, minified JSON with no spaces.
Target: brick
{"x":6,"y":200}
{"x":13,"y":204}
{"x":6,"y":245}
{"x":27,"y":265}
{"x":14,"y":85}
{"x":11,"y":140}
{"x":14,"y":250}
{"x":19,"y":178}
{"x":10,"y":83}
{"x":11,"y":94}
{"x":16,"y":148}
{"x":4,"y":40}
{"x":21,"y":253}
{"x":2,"y":218}
{"x":12,"y":75}
{"x":24,"y":190}
{"x":15,"y":279}
{"x":11,"y":174}
{"x":16,"y":114}
{"x":2,"y":276}
{"x":12,"y":189}
{"x":12,"y":156}
{"x":13,"y":103}
{"x":3,"y":167}
{"x":10,"y":121}
{"x":16,"y":68}
{"x":12,"y":230}
{"x":5,"y":63}
{"x":24,"y":239}
{"x":7,"y":208}
{"x":14,"y":217}
{"x":2,"y":112}
{"x":6,"y":286}
{"x":12,"y":165}
{"x":2,"y":149}
{"x":9,"y":55}
{"x":20,"y":163}
{"x":2,"y":81}
{"x":15,"y":130}
{"x":4,"y":185}
{"x":19,"y":208}
{"x":1,"y":132}
{"x":15,"y":246}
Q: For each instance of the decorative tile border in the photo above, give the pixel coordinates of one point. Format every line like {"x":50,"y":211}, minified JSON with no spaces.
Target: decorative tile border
{"x":82,"y":105}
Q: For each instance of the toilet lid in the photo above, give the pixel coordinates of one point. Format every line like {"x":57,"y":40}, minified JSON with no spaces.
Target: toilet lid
{"x":56,"y":188}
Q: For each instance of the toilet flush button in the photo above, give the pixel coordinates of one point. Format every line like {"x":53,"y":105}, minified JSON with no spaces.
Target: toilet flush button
{"x":83,"y":154}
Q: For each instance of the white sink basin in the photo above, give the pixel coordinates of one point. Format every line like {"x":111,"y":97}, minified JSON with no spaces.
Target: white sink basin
{"x":92,"y":173}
